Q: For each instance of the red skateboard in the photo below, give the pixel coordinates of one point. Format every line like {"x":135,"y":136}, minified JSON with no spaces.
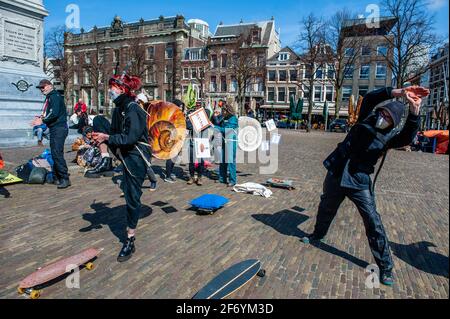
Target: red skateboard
{"x":30,"y":285}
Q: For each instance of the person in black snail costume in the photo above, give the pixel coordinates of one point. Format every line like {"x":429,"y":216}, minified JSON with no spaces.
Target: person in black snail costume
{"x":128,"y":139}
{"x":350,"y":165}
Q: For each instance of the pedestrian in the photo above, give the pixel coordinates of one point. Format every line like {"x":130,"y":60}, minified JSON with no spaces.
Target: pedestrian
{"x":227,"y":124}
{"x":350,"y":165}
{"x":128,"y":139}
{"x":54,"y":116}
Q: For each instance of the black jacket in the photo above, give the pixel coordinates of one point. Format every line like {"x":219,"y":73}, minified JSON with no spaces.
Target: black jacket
{"x":128,"y":128}
{"x":356,"y":157}
{"x":56,"y":113}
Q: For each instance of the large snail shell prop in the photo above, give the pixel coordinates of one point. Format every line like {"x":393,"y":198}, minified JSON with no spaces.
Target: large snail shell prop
{"x":167,"y":129}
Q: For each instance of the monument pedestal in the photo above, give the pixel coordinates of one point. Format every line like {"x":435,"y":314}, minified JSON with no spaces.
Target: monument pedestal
{"x":21,"y":69}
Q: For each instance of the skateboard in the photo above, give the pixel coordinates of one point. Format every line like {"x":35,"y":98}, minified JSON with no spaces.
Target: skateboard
{"x":32,"y":284}
{"x":230,"y":280}
{"x":280,"y":183}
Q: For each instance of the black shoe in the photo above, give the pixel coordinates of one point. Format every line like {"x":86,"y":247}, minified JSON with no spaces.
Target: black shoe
{"x":56,"y":181}
{"x":127,"y":250}
{"x":105,"y":168}
{"x":64,"y":183}
{"x":152,"y":186}
{"x":387,"y":278}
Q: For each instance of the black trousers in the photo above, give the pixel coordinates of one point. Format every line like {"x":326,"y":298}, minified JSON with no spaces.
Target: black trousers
{"x":134,"y":174}
{"x":170,"y":164}
{"x":58,"y":137}
{"x":332,"y":197}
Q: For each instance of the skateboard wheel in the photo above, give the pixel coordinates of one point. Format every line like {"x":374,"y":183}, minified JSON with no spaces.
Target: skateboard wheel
{"x":35,"y":294}
{"x":90,"y":266}
{"x":261,"y":273}
{"x":21,"y":291}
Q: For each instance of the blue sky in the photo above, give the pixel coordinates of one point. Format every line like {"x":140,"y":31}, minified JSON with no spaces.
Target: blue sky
{"x":287,"y":13}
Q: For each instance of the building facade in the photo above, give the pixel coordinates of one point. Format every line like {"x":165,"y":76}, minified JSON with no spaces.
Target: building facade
{"x":287,"y":77}
{"x":151,"y":49}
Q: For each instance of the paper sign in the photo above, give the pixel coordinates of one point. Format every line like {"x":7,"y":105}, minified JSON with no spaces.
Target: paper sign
{"x":265,"y":146}
{"x":270,"y":125}
{"x":200,"y":120}
{"x":202,"y":148}
{"x":275,"y":139}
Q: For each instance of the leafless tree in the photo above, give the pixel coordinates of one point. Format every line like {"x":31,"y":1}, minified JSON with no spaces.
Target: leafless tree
{"x":314,"y":56}
{"x":54,"y":49}
{"x":246,"y":67}
{"x":344,"y":52}
{"x":412,"y":38}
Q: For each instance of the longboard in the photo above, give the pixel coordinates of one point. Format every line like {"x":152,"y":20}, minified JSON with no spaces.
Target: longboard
{"x":280,"y":183}
{"x":32,"y":283}
{"x":231,"y":280}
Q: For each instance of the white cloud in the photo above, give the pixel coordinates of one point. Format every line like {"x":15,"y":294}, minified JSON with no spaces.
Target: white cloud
{"x":436,"y":4}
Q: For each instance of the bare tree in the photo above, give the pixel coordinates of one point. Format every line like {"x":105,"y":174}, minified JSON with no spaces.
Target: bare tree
{"x":54,"y":49}
{"x":412,"y":38}
{"x":314,"y":56}
{"x":344,"y":52}
{"x":246,"y":67}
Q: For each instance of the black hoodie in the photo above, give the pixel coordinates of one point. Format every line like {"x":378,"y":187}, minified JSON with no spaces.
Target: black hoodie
{"x":355,"y":158}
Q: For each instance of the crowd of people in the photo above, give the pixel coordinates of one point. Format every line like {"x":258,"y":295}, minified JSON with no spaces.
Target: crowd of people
{"x":127,"y":138}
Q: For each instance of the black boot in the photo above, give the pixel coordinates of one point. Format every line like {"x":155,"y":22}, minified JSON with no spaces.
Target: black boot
{"x":103,"y":169}
{"x":64,"y":183}
{"x":127,"y":250}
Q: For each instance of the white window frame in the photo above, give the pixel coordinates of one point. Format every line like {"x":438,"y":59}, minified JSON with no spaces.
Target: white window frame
{"x":377,"y":76}
{"x":360,"y":71}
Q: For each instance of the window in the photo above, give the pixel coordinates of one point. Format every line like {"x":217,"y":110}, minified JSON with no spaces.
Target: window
{"x":365,"y":50}
{"x":150,"y":74}
{"x":167,"y":74}
{"x":223,"y":83}
{"x":224,"y":60}
{"x":101,"y":56}
{"x":381,"y":71}
{"x":168,"y":95}
{"x":364,"y":71}
{"x":89,"y":97}
{"x":319,"y":73}
{"x":76,"y":96}
{"x":255,"y":36}
{"x":259,"y":85}
{"x":346,"y":92}
{"x":169,"y":51}
{"x":214,"y":63}
{"x":201,"y":72}
{"x":87,"y":58}
{"x":317,"y":93}
{"x":101,"y":98}
{"x":307,"y":72}
{"x":330,"y":71}
{"x":185,"y":73}
{"x":362,"y":90}
{"x":329,"y":93}
{"x":293,"y":75}
{"x":348,"y":72}
{"x":150,"y":53}
{"x":270,"y":94}
{"x":348,"y":52}
{"x":282,"y":75}
{"x":272,"y":75}
{"x":184,"y":89}
{"x":193,"y":73}
{"x":283,"y":56}
{"x":86,"y":77}
{"x":292,"y":93}
{"x":382,"y":50}
{"x":75,"y":78}
{"x":260,"y":60}
{"x":233,"y":86}
{"x":281,"y":94}
{"x":213,"y":84}
{"x":75,"y":60}
{"x":116,"y":56}
{"x":305,"y":92}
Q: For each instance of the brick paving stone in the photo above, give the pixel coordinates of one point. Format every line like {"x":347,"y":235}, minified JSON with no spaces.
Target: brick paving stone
{"x":179,"y":252}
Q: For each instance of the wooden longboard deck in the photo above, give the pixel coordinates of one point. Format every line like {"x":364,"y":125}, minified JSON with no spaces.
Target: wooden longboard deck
{"x":58,"y":268}
{"x":230,"y":280}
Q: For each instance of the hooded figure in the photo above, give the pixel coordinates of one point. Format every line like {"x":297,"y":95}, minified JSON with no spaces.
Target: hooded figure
{"x":353,"y":161}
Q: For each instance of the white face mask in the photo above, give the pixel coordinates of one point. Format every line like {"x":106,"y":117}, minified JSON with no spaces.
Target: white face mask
{"x":382,"y":123}
{"x":113,"y":95}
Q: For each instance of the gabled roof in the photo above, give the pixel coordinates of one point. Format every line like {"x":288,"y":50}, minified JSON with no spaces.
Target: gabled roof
{"x":356,"y":27}
{"x":244,"y":29}
{"x":292,"y":55}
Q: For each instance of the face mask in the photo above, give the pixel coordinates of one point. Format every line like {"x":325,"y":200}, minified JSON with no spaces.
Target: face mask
{"x":113,"y":95}
{"x":382,"y":123}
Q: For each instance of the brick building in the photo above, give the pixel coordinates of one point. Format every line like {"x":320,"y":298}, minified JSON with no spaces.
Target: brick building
{"x":154,"y":49}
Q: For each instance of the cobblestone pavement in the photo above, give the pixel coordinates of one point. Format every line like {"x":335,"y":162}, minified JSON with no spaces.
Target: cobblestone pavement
{"x":178,"y":251}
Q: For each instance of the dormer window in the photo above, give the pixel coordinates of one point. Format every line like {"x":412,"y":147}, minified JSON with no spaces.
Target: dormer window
{"x":255,"y":36}
{"x":283,"y":57}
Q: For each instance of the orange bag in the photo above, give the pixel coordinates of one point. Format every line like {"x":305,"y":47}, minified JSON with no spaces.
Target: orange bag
{"x":2,"y":163}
